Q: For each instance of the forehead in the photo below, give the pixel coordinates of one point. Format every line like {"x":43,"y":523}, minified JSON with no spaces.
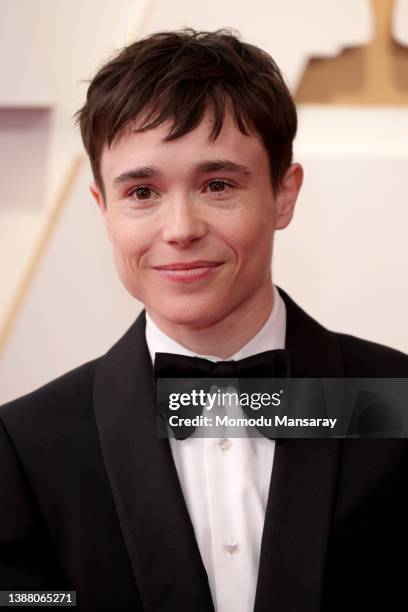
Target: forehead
{"x":150,"y":148}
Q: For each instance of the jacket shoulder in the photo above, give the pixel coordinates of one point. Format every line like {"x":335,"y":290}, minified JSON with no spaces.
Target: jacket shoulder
{"x":370,"y":359}
{"x":70,"y":391}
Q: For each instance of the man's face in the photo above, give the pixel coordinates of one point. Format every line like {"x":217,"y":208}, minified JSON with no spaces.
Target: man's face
{"x":192,"y":220}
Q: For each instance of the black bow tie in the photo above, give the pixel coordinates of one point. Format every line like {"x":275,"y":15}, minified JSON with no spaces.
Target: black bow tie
{"x":267,"y":365}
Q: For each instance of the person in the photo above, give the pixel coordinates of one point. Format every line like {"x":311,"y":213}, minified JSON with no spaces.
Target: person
{"x":189,"y":135}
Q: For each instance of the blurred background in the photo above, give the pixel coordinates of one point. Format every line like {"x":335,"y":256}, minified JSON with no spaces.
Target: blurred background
{"x":344,"y":258}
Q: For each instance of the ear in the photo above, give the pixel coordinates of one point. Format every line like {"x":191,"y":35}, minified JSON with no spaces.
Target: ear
{"x":100,"y":200}
{"x":287,"y":195}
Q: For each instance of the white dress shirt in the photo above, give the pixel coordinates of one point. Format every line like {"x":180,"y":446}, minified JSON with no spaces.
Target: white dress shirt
{"x":225,"y":482}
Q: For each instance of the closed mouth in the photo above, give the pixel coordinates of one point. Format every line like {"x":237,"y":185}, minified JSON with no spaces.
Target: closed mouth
{"x":188,"y":265}
{"x":187,"y":272}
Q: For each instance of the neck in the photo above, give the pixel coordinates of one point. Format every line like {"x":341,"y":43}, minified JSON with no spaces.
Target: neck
{"x":226,"y":336}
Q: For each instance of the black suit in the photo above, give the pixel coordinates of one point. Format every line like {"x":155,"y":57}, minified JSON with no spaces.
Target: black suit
{"x":90,"y":497}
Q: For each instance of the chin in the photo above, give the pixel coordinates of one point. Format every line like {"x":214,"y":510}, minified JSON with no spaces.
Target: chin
{"x":196,"y":318}
{"x":197,"y":315}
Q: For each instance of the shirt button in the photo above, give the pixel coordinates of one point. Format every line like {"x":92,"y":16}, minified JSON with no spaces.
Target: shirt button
{"x":231,"y":546}
{"x":224,"y":444}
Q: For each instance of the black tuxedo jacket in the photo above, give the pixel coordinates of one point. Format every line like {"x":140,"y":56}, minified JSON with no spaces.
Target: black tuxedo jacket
{"x":90,"y":498}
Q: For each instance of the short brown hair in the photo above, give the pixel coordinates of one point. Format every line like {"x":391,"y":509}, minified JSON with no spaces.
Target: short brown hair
{"x":179,"y":75}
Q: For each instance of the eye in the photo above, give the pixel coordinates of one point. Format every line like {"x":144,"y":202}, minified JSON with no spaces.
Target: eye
{"x":142,"y":192}
{"x":219,"y":186}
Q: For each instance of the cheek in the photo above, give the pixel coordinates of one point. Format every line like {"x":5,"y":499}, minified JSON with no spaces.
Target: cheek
{"x":129,"y":245}
{"x":252,"y":236}
{"x":128,"y":249}
{"x":252,"y":243}
{"x":128,"y":241}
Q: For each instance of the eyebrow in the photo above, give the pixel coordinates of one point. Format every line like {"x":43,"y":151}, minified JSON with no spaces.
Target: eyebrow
{"x":136,"y":173}
{"x":223,"y":165}
{"x":204,"y":167}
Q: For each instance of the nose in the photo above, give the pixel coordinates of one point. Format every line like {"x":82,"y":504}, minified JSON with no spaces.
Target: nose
{"x":183,"y":224}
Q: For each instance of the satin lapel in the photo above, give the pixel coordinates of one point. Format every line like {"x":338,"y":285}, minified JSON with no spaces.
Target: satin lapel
{"x":152,"y":513}
{"x":302,"y":489}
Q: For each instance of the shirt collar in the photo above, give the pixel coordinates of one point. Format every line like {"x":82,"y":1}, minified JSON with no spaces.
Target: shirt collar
{"x":271,"y":336}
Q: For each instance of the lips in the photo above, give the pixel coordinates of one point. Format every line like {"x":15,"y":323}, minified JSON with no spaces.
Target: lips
{"x":188,"y":271}
{"x":188,"y":265}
